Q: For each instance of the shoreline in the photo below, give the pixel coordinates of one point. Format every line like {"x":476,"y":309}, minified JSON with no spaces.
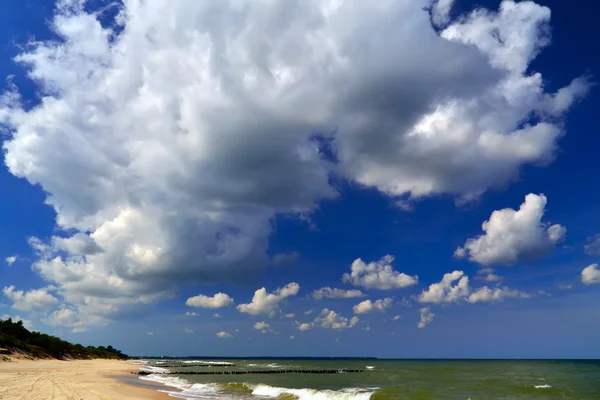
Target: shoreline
{"x":80,"y":379}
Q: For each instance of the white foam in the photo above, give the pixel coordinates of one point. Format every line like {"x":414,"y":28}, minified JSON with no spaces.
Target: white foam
{"x":370,"y":367}
{"x":271,"y":365}
{"x":187,"y":390}
{"x":154,"y":370}
{"x":314,"y":394}
{"x":207,"y":362}
{"x":542,"y":386}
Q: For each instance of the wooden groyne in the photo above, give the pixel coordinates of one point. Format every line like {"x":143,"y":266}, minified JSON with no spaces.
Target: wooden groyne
{"x":246,"y":372}
{"x":193,"y":365}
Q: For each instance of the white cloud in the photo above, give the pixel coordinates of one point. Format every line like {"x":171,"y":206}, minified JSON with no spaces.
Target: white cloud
{"x":11,"y":260}
{"x":219,"y":300}
{"x":397,"y":317}
{"x":490,"y":295}
{"x":150,"y":333}
{"x":305,"y":326}
{"x":188,"y":330}
{"x":290,"y":315}
{"x":440,"y":11}
{"x":168,"y":144}
{"x":565,"y":287}
{"x":217,"y":315}
{"x":367,"y":306}
{"x":308,"y":312}
{"x":590,"y":274}
{"x":26,"y":322}
{"x":191,"y":314}
{"x":292,"y":337}
{"x":513,"y":236}
{"x":445,"y":291}
{"x":426,"y":317}
{"x":592,"y":247}
{"x":224,"y":335}
{"x":378,"y":275}
{"x":330,"y":319}
{"x":329,"y":293}
{"x":35,"y":299}
{"x":268,"y":303}
{"x":488,"y":275}
{"x":261,"y":325}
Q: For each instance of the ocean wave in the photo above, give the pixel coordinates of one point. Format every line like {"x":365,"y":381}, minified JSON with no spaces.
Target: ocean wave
{"x":154,"y":370}
{"x":271,"y":365}
{"x":314,"y":394}
{"x":542,"y":386}
{"x":207,"y":362}
{"x":188,"y":390}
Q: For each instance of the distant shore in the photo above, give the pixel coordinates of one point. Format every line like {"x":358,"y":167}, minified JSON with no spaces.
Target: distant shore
{"x":81,"y":379}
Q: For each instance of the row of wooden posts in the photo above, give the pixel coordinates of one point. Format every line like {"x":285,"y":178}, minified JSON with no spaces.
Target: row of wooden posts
{"x":244,"y":372}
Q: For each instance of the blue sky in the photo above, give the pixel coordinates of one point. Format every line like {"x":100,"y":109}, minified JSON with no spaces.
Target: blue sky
{"x":154,"y":155}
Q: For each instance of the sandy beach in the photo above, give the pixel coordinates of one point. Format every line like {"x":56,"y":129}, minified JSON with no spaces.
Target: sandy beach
{"x":81,"y":380}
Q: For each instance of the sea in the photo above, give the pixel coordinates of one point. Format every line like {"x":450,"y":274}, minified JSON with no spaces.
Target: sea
{"x":380,"y":379}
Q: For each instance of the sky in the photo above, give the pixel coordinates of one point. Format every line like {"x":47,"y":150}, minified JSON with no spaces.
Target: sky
{"x":399,"y":179}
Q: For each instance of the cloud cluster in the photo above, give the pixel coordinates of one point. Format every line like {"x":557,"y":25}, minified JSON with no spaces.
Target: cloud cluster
{"x":368,"y":306}
{"x":592,"y":247}
{"x":378,"y":275}
{"x":426,"y":317}
{"x":10,"y":260}
{"x":219,"y":300}
{"x":268,"y":303}
{"x":514,"y":236}
{"x":32,"y":300}
{"x":445,"y":291}
{"x":590,"y":274}
{"x":329,"y":293}
{"x":330,"y":319}
{"x":224,"y":335}
{"x":168,"y":138}
{"x":261,"y":325}
{"x":454,"y":288}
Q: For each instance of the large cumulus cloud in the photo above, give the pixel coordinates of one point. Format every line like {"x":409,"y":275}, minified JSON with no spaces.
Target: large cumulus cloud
{"x":167,"y":140}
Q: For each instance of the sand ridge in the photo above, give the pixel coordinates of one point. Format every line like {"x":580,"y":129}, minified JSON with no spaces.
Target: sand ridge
{"x":70,"y":380}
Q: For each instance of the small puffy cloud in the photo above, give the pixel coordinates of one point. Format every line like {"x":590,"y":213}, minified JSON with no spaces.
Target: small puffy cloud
{"x":35,"y":299}
{"x":564,"y":286}
{"x":488,"y":275}
{"x":592,"y":247}
{"x":290,"y":315}
{"x":330,"y":319}
{"x":512,"y":236}
{"x":590,"y":274}
{"x":329,"y":293}
{"x":367,"y":306}
{"x":192,"y":314}
{"x":292,"y":337}
{"x":150,"y":333}
{"x":397,"y":317}
{"x":445,"y":291}
{"x":188,"y":330}
{"x":217,"y":315}
{"x":26,"y":322}
{"x":219,"y":300}
{"x":491,"y":295}
{"x":283,"y":259}
{"x":378,"y":275}
{"x":426,"y":317}
{"x":308,"y":312}
{"x":224,"y":335}
{"x":268,"y":303}
{"x":261,"y":325}
{"x":11,"y":260}
{"x":307,"y":326}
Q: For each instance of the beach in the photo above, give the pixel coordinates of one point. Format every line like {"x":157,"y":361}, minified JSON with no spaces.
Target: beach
{"x":81,"y":379}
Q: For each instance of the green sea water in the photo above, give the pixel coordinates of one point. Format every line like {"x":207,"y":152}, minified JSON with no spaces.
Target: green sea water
{"x":397,"y":379}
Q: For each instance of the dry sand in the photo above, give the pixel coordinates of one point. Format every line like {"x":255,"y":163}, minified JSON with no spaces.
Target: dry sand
{"x":72,"y":380}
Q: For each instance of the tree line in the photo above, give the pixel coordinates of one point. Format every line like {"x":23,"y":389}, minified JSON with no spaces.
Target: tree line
{"x":15,"y":337}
